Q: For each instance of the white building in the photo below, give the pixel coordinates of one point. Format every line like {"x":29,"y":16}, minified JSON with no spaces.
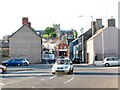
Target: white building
{"x":104,"y":43}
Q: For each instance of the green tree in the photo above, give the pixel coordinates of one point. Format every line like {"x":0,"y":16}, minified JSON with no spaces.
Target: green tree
{"x":75,"y":33}
{"x":49,"y":32}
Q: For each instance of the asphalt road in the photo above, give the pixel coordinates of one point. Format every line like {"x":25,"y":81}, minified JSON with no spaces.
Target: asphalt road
{"x":39,"y":76}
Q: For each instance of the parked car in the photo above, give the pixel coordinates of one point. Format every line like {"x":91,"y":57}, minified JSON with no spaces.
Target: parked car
{"x":111,"y":61}
{"x":63,"y":65}
{"x":3,"y":68}
{"x":16,"y":61}
{"x":76,"y":60}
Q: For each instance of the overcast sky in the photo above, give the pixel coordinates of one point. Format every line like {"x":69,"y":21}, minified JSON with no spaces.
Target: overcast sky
{"x":43,"y":13}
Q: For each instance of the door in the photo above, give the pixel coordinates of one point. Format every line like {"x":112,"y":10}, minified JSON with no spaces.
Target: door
{"x":115,"y":60}
{"x":11,"y":62}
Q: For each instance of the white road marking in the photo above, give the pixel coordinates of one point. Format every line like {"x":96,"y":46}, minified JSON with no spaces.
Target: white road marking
{"x":26,"y":74}
{"x":42,"y":79}
{"x":18,"y":81}
{"x":53,"y":76}
{"x":69,"y":79}
{"x":2,"y":84}
{"x":24,"y":79}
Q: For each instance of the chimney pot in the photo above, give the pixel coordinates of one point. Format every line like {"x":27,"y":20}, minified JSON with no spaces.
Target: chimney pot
{"x":25,"y":20}
{"x":111,"y":22}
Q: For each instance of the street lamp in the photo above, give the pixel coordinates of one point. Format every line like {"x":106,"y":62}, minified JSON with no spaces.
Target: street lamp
{"x":92,"y":35}
{"x":91,"y":23}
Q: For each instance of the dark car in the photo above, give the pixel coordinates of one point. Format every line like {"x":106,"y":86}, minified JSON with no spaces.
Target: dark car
{"x":16,"y":62}
{"x":76,"y":60}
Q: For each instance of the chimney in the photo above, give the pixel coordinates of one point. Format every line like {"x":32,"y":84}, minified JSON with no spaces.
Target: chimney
{"x":111,"y":22}
{"x":93,"y":27}
{"x":29,"y":24}
{"x":98,"y":24}
{"x":25,"y":20}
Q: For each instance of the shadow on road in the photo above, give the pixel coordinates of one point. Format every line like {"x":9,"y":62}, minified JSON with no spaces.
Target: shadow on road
{"x":94,"y":73}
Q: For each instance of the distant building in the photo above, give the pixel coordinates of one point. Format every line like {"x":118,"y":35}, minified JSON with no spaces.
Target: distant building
{"x":26,"y":43}
{"x":4,"y":49}
{"x":62,"y":48}
{"x":58,"y":31}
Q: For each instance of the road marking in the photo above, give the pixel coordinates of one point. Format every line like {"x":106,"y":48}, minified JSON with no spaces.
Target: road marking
{"x":53,"y":76}
{"x":26,"y":74}
{"x":69,"y":79}
{"x":42,"y":79}
{"x":2,"y":84}
{"x":24,"y":79}
{"x":18,"y":81}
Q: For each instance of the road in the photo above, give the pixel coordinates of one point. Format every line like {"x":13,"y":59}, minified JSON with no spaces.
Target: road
{"x":37,"y":76}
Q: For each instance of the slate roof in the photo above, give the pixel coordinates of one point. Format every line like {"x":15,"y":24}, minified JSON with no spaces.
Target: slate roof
{"x":21,"y":28}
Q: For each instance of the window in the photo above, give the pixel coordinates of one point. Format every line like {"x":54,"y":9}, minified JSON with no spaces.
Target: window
{"x":65,"y":47}
{"x":60,"y":47}
{"x":110,"y":59}
{"x":115,"y":59}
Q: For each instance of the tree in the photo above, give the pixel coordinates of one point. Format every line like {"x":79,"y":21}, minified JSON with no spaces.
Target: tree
{"x":49,"y":32}
{"x":75,"y":33}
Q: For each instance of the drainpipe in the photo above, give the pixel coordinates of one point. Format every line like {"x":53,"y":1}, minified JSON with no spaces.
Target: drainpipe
{"x":82,"y":48}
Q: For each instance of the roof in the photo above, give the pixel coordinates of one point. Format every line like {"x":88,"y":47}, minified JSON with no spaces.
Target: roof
{"x":100,"y":31}
{"x":21,"y":28}
{"x":88,"y":33}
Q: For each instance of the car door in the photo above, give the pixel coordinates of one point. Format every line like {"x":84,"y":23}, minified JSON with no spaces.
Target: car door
{"x":115,"y":61}
{"x":118,"y":61}
{"x":11,"y":62}
{"x":110,"y":61}
{"x":17,"y":61}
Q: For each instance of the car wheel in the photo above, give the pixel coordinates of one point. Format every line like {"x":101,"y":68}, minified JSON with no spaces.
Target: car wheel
{"x":107,"y":65}
{"x":25,"y":64}
{"x":53,"y":72}
{"x":70,"y":71}
{"x":18,"y":64}
{"x":6,"y":64}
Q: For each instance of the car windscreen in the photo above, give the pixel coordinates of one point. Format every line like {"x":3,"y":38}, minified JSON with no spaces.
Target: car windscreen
{"x":64,"y":61}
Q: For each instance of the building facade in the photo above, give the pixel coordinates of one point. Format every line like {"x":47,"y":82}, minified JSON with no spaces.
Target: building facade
{"x":104,"y":43}
{"x":62,"y":48}
{"x":26,"y":43}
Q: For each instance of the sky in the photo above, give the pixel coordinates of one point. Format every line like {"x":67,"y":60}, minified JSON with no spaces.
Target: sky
{"x":44,"y":13}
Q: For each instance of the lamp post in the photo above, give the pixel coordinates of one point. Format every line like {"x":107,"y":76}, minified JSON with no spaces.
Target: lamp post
{"x":91,"y":22}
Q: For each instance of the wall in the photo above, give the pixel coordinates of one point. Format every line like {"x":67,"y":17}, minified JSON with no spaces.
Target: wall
{"x":90,"y":51}
{"x":25,"y":43}
{"x":107,"y":47}
{"x":111,"y":41}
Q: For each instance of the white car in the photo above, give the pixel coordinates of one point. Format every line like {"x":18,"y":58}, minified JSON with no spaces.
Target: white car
{"x":111,"y":61}
{"x":63,"y":65}
{"x":3,"y":68}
